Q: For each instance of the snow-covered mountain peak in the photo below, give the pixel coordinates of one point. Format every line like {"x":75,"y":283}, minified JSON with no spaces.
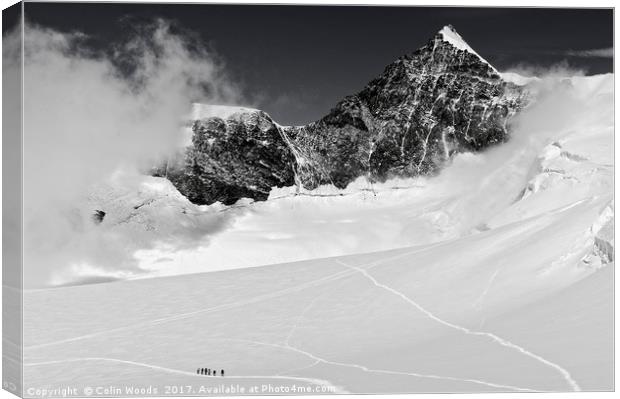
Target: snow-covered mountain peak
{"x":450,"y":35}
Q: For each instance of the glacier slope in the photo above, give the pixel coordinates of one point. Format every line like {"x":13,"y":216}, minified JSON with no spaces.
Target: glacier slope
{"x":497,"y":275}
{"x":329,"y":316}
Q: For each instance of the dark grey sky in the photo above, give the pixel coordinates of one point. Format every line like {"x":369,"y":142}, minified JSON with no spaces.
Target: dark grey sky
{"x":302,"y":59}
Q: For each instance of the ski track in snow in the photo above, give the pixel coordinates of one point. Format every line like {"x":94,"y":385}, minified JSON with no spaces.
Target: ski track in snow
{"x":478,"y":302}
{"x":259,"y":298}
{"x":186,"y":315}
{"x":351,"y":270}
{"x":300,"y":318}
{"x":565,"y":374}
{"x":318,"y":359}
{"x":176,"y":371}
{"x":300,"y":368}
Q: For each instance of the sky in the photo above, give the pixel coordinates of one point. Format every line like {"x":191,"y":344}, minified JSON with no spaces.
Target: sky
{"x":297,"y":62}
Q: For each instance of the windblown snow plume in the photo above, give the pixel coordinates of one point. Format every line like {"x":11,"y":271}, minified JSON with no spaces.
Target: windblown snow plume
{"x":528,"y":72}
{"x":89,"y":115}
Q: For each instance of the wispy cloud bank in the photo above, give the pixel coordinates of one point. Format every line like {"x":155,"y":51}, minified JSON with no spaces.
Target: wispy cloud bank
{"x":90,"y":113}
{"x":591,"y":53}
{"x":558,"y":70}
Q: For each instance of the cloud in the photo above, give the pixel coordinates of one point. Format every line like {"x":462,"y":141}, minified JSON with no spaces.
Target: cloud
{"x":90,"y":113}
{"x":600,"y":52}
{"x":83,"y":110}
{"x":557,"y":70}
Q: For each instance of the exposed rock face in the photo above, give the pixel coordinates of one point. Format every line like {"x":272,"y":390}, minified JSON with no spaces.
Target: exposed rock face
{"x":239,"y":155}
{"x":443,"y":98}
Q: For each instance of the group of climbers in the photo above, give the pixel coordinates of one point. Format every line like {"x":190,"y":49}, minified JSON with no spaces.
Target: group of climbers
{"x":206,"y":371}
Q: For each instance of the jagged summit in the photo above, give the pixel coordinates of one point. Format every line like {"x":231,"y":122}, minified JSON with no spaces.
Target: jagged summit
{"x":426,"y":106}
{"x":450,"y":35}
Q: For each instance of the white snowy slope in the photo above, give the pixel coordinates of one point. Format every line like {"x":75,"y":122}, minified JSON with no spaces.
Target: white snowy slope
{"x":484,"y":313}
{"x":496,"y":275}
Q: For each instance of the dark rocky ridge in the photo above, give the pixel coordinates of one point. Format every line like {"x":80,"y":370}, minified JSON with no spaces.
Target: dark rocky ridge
{"x":240,"y":156}
{"x":426,"y":106}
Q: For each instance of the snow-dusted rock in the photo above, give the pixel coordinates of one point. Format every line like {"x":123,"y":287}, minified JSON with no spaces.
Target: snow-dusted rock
{"x":234,"y":154}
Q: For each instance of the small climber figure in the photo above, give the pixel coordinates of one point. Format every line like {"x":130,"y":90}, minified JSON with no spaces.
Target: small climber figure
{"x":214,"y":372}
{"x":198,"y":371}
{"x":222,"y":372}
